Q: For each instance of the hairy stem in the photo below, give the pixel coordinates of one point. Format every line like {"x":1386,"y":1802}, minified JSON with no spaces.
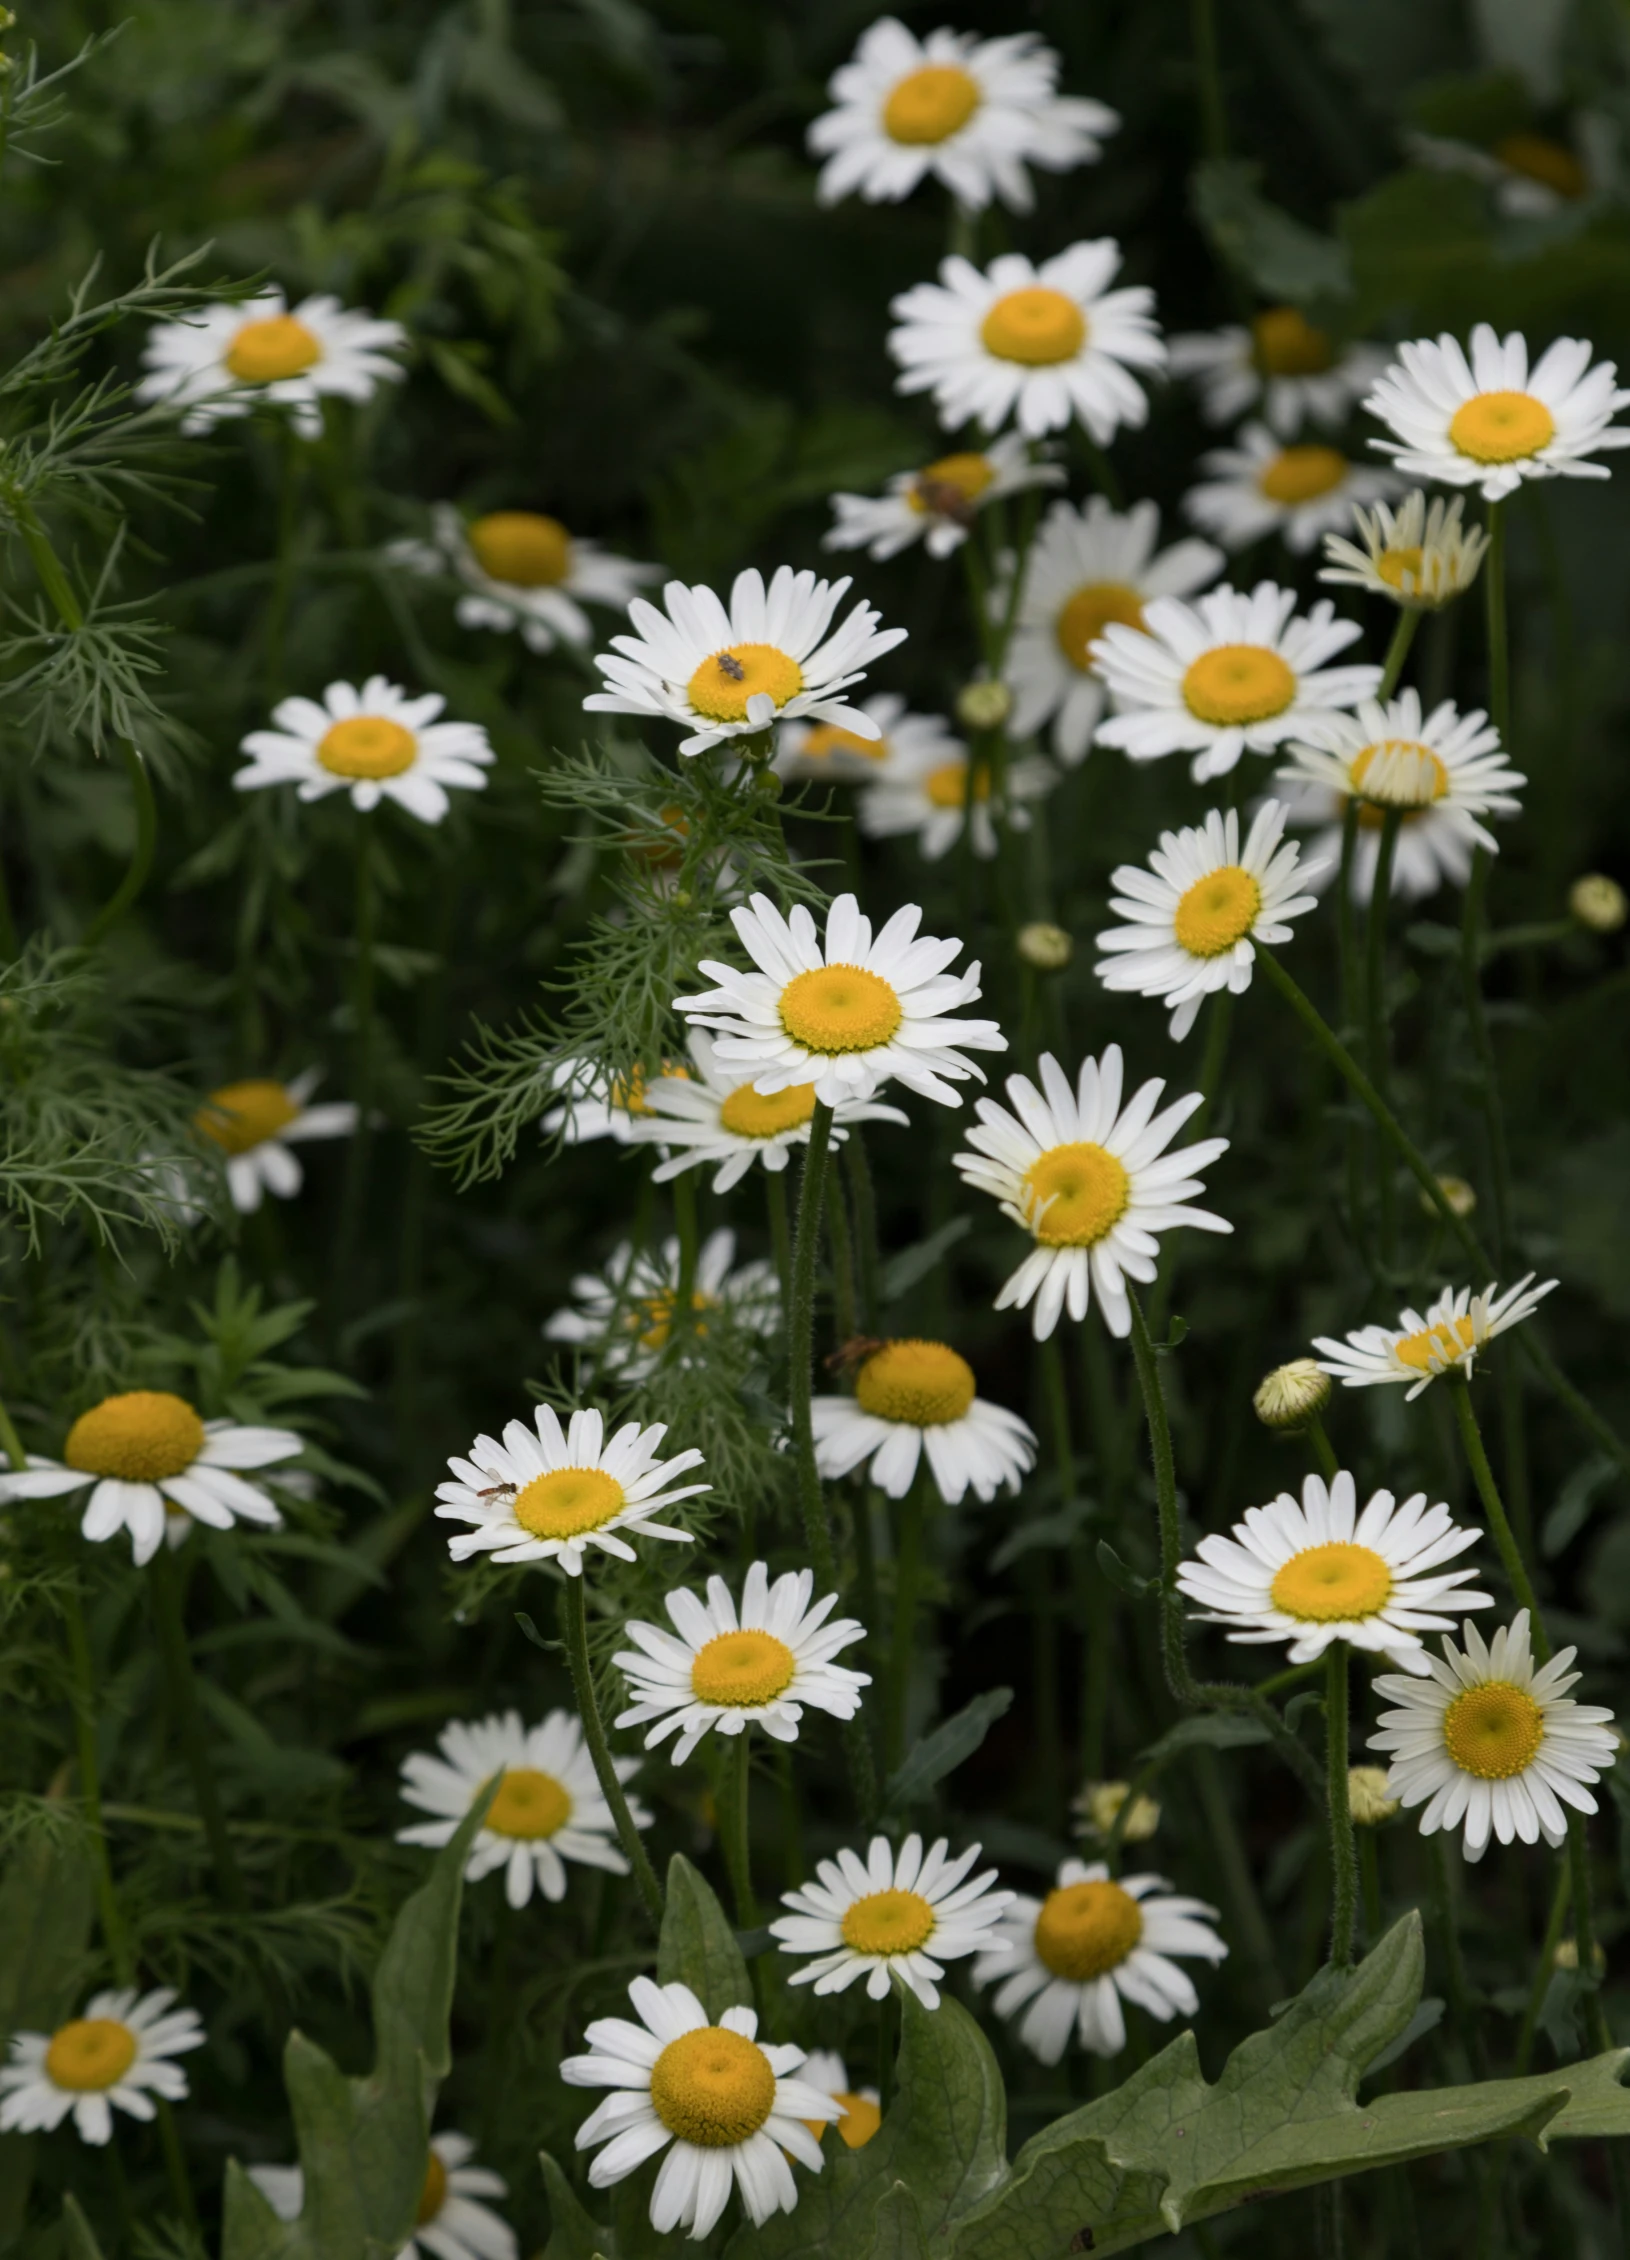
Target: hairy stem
{"x":908,"y":1568}
{"x":801,"y":1352}
{"x":115,"y":1933}
{"x":1343,"y":1850}
{"x":863,"y":1200}
{"x":574,"y":1630}
{"x":1375,"y":1021}
{"x":737,"y":1832}
{"x":176,"y":1651}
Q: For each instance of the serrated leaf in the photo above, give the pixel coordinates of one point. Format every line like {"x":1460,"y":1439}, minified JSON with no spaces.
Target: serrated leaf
{"x":573,"y":2234}
{"x":698,"y":1947}
{"x":941,"y":1752}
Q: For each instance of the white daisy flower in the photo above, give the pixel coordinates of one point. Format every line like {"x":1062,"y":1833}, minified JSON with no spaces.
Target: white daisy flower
{"x":222,"y":361}
{"x":547,"y":1809}
{"x":970,"y":112}
{"x":1230,"y":674}
{"x":892,"y":1918}
{"x":1086,"y":568}
{"x":1091,"y":1182}
{"x":625,"y":1314}
{"x":115,"y":2057}
{"x":452,"y":2223}
{"x":549,"y":1495}
{"x":913,"y":1398}
{"x":725,"y":2103}
{"x":844,"y":1015}
{"x":602,"y":1106}
{"x":1487,"y":1743}
{"x":1199,"y":910}
{"x":862,"y":2107}
{"x":1297,"y":489}
{"x":255,"y":1122}
{"x":1430,"y":851}
{"x":522,"y":570}
{"x":144,"y":1447}
{"x":1532,"y":176}
{"x":375,"y":743}
{"x":1418,"y":556}
{"x":1290,"y":372}
{"x":937,"y":504}
{"x":1044,"y":345}
{"x":821,"y":752}
{"x":1445,"y":1340}
{"x":714,"y":1116}
{"x":1093,"y":1941}
{"x":925,"y":790}
{"x":729,"y":674}
{"x":1321,"y":1571}
{"x":1491,"y":422}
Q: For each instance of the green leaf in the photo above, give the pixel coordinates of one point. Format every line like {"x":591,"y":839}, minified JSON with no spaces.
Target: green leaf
{"x":78,"y":2237}
{"x":1208,"y":1730}
{"x":1284,"y":259}
{"x":897,"y":2229}
{"x":903,"y":1270}
{"x":573,"y":2235}
{"x":941,"y":1752}
{"x":698,"y":1947}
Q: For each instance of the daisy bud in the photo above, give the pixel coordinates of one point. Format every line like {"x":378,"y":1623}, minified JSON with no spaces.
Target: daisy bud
{"x":1566,"y":1956}
{"x":1291,"y":1394}
{"x":1460,"y":1196}
{"x":1099,"y":1804}
{"x":983,"y":705}
{"x":1367,"y":1798}
{"x":1598,"y":902}
{"x":1045,"y":946}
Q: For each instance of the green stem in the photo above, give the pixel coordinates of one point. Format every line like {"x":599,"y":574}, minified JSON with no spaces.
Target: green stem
{"x":801,"y":1352}
{"x":864,"y":1202}
{"x":1343,"y":1850}
{"x":1376,"y":1017}
{"x":888,"y":2042}
{"x":574,"y":1628}
{"x":1323,"y":1450}
{"x":908,"y":1564}
{"x":843,"y":1262}
{"x":1369,"y":1876}
{"x":1208,"y":71}
{"x":1219,"y":1020}
{"x":1347,"y":959}
{"x":175,"y":2165}
{"x":362,"y":1066}
{"x":1544,"y":1969}
{"x":775,"y":1204}
{"x":737,"y":1831}
{"x":1499,"y":655}
{"x":685,"y":1230}
{"x":1505,"y":1538}
{"x":1403,"y":635}
{"x":178,"y":1666}
{"x":1455,"y":1987}
{"x":141,"y":858}
{"x":115,"y":1936}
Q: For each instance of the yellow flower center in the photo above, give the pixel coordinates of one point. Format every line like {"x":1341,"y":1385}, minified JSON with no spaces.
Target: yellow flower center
{"x":930,"y":105}
{"x":712,"y":2087}
{"x":826,"y":738}
{"x":1284,"y":343}
{"x":951,"y":487}
{"x":1399,"y":773}
{"x":742,"y":1670}
{"x":1494,"y":1730}
{"x":1302,"y":474}
{"x":722,"y":685}
{"x":1085,"y":1929}
{"x":1083,"y":617}
{"x":1448,"y":1340}
{"x":1537,"y":157}
{"x":1332,"y":1584}
{"x":1395,"y":566}
{"x":367,"y":746}
{"x":1075,"y":1194}
{"x":521,"y":547}
{"x":528,"y":1804}
{"x":840,"y":1008}
{"x":923,"y":1383}
{"x":947,"y":786}
{"x":241,"y":1115}
{"x":749,"y":1114}
{"x":652,"y":1317}
{"x":1036,"y":326}
{"x":90,"y":2053}
{"x":279,"y":346}
{"x":1217,"y":911}
{"x":141,"y":1437}
{"x":1237,"y":683}
{"x":888,"y":1922}
{"x":664,"y":854}
{"x":568,"y":1501}
{"x":1502,"y":427}
{"x":433,"y":2196}
{"x":861,"y":2120}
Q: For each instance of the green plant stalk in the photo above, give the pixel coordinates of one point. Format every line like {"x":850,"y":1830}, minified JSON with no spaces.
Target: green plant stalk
{"x":1544,"y":1970}
{"x":801,"y":1351}
{"x":1403,"y":635}
{"x":1343,"y":1850}
{"x":1324,"y":1452}
{"x":908,"y":1569}
{"x":1375,"y":997}
{"x":1219,"y":1021}
{"x":1208,"y":74}
{"x":362,"y":1067}
{"x":1348,"y":966}
{"x":863,"y":1201}
{"x":574,"y":1631}
{"x":110,"y":1915}
{"x":1454,"y":1966}
{"x":175,"y":2165}
{"x":1369,"y":1876}
{"x":1472,"y":909}
{"x":775,"y":1208}
{"x":843,"y":1262}
{"x":176,"y":1651}
{"x":685,"y":1230}
{"x":737,"y":1832}
{"x":141,"y":857}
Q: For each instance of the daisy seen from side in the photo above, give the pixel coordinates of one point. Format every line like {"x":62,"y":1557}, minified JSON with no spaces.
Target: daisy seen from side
{"x":255,"y":1122}
{"x":914,"y":1400}
{"x":891,"y":1918}
{"x":548,"y":1494}
{"x":713,"y":1118}
{"x":453,"y":2221}
{"x":1532,"y":175}
{"x":520,"y":570}
{"x":933,"y":791}
{"x":938,"y":503}
{"x":624,"y":1316}
{"x":1446,"y":1339}
{"x":1448,"y":764}
{"x":118,"y":2056}
{"x":862,"y":2107}
{"x":1419,"y":556}
{"x":596,"y":1105}
{"x":1292,"y":373}
{"x":375,"y":743}
{"x":224,"y":360}
{"x":1296,"y":489}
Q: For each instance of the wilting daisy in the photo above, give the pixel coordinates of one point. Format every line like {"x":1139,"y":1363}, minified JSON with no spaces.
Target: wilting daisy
{"x":1487,"y":1743}
{"x":862,"y":2110}
{"x":1491,"y":422}
{"x":521,"y":569}
{"x":732,"y":1668}
{"x":1418,"y":556}
{"x":892,"y":1918}
{"x":1532,"y":175}
{"x":549,"y":1494}
{"x":222,"y":361}
{"x":1197,"y":913}
{"x":926,"y":791}
{"x":256,"y":1122}
{"x":144,"y":1447}
{"x":1073,"y":1957}
{"x":1446,"y":1340}
{"x":1297,"y":489}
{"x":727,"y":674}
{"x":452,"y":2222}
{"x":625,"y":1314}
{"x":937,"y":504}
{"x":117,"y":2056}
{"x":724,"y":2102}
{"x":1320,"y":1570}
{"x":714,"y":1116}
{"x":375,"y":743}
{"x":547,"y":1808}
{"x":1091,"y":1182}
{"x":1292,"y":373}
{"x":1086,"y":568}
{"x":1043,"y":345}
{"x":913,"y":1398}
{"x":1227,"y":675}
{"x":846,"y":1015}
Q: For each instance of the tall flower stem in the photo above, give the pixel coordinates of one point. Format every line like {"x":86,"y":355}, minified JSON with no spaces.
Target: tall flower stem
{"x":908,"y":1570}
{"x":1343,"y":1850}
{"x":685,"y":1230}
{"x":574,"y":1631}
{"x":178,"y":1669}
{"x":1403,"y":635}
{"x":863,"y":1201}
{"x":1208,"y":74}
{"x":1544,"y":1969}
{"x":843,"y":1261}
{"x":775,"y":1208}
{"x":1323,"y":1450}
{"x":141,"y":855}
{"x":801,"y":1351}
{"x":737,"y":1831}
{"x":1472,"y":910}
{"x":115,"y":1934}
{"x":1376,"y":1033}
{"x":362,"y":1061}
{"x":1351,"y":1007}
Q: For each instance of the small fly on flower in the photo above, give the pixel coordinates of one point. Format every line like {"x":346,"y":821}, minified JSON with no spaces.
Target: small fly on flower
{"x":848,"y":1355}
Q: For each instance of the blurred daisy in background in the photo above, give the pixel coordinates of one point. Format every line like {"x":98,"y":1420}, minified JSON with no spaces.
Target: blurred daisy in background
{"x":601,"y":1106}
{"x":375,"y":743}
{"x":1446,"y":1339}
{"x":1490,"y":421}
{"x":892,"y":1918}
{"x":117,"y":2056}
{"x":255,"y":1122}
{"x":925,"y":789}
{"x":522,"y":570}
{"x":712,"y":1115}
{"x":1296,"y":489}
{"x":1290,"y":372}
{"x":549,"y":1494}
{"x":625,"y":1314}
{"x":938,"y":504}
{"x":916,"y":1398}
{"x":222,"y":361}
{"x":861,"y":2107}
{"x":452,"y":2223}
{"x":1419,"y":556}
{"x":1533,"y":175}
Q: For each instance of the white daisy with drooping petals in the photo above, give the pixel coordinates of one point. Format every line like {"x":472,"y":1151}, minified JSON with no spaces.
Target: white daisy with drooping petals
{"x":1290,"y":372}
{"x":255,"y":1122}
{"x":927,"y":791}
{"x":1490,"y":1745}
{"x":224,"y":360}
{"x":846,"y":1015}
{"x":1094,"y":1941}
{"x":724,"y":2106}
{"x":1044,"y":346}
{"x":1091,"y":1182}
{"x":452,"y":2224}
{"x":892,"y":1918}
{"x":938,"y":504}
{"x":375,"y":743}
{"x":520,"y":569}
{"x":117,"y":2056}
{"x":1446,"y":769}
{"x":625,"y":1315}
{"x":1418,"y":556}
{"x":549,"y":1494}
{"x":713,"y":1118}
{"x":1297,"y":489}
{"x":1446,"y":1340}
{"x":917,"y":1399}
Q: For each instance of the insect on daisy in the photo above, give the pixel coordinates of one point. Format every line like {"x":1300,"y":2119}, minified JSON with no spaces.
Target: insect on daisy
{"x":926,"y":791}
{"x":1489,"y":1744}
{"x":549,"y":1494}
{"x":1320,"y":1570}
{"x":862,"y":2108}
{"x":375,"y":743}
{"x":720,"y":2102}
{"x":1091,"y":1182}
{"x":452,"y":2222}
{"x":117,"y":2056}
{"x":714,"y":1116}
{"x":255,"y":1122}
{"x":1297,"y":489}
{"x":1418,"y":556}
{"x":224,"y":360}
{"x":914,"y":1399}
{"x":522,"y":570}
{"x":1073,"y":1957}
{"x":1292,"y":373}
{"x":1446,"y":1340}
{"x":892,"y":1918}
{"x":937,"y":504}
{"x":625,"y":1314}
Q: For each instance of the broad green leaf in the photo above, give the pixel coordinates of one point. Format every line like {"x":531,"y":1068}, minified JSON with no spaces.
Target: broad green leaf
{"x":1207,"y":1730}
{"x":1279,"y":254}
{"x":78,"y":2237}
{"x":941,"y":1752}
{"x":897,"y":2229}
{"x":698,"y":1947}
{"x":573,"y":2235}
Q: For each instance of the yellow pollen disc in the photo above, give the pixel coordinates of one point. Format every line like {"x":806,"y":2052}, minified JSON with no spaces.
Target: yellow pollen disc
{"x":1217,"y":911}
{"x":742,"y":1670}
{"x":888,"y":1922}
{"x":1398,"y":772}
{"x":529,"y":1804}
{"x":1083,"y":617}
{"x":279,"y":346}
{"x":367,"y":746}
{"x":141,"y":1437}
{"x":1549,"y":162}
{"x":826,"y":738}
{"x":1302,"y":474}
{"x":947,"y":786}
{"x":241,"y":1115}
{"x":1284,"y":343}
{"x":749,"y":1114}
{"x":652,"y":1317}
{"x":1036,"y":326}
{"x":1085,"y":1929}
{"x":522,"y":548}
{"x":1332,"y":1584}
{"x":1236,"y":684}
{"x":1502,"y":427}
{"x":1449,"y":1339}
{"x":930,"y":105}
{"x":90,"y":2053}
{"x":713,"y":2088}
{"x":568,"y":1501}
{"x":840,"y":1008}
{"x":952,"y":486}
{"x":1395,"y":565}
{"x":923,"y":1383}
{"x":861,"y":2119}
{"x":722,"y":685}
{"x":433,"y":2196}
{"x":1494,"y":1730}
{"x":1076,"y":1194}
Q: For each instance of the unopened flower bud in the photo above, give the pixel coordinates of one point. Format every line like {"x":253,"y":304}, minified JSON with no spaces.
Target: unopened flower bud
{"x":1367,"y":1798}
{"x":1099,"y":1804}
{"x":768,"y":782}
{"x":1291,"y":1394}
{"x":983,"y":705}
{"x":1598,"y":902}
{"x":1048,"y":948}
{"x":1566,"y":1956}
{"x":1455,"y":1190}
